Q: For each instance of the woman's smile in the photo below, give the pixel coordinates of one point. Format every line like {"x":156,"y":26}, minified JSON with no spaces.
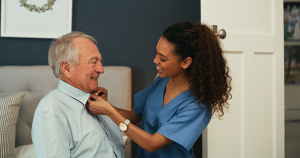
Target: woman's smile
{"x":160,"y":70}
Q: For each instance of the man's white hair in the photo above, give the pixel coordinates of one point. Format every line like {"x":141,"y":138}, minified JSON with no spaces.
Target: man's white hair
{"x":63,"y":49}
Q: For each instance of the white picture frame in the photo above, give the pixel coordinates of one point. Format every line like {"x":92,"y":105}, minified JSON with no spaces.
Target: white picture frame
{"x":18,"y":21}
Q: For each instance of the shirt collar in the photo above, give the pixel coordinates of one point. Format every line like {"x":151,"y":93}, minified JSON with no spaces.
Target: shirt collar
{"x":73,"y":92}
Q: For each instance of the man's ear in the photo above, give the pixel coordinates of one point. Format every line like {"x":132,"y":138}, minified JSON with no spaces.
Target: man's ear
{"x":187,"y":62}
{"x":66,"y":68}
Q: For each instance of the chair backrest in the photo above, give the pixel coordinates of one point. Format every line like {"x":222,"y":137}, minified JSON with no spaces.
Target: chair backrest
{"x":39,"y":81}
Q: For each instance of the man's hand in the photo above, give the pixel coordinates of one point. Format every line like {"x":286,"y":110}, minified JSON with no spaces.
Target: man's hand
{"x":102,"y":92}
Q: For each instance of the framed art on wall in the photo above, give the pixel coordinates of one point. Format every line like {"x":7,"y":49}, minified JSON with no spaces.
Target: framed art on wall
{"x":291,"y":21}
{"x":36,"y":18}
{"x":292,"y":41}
{"x":292,"y":64}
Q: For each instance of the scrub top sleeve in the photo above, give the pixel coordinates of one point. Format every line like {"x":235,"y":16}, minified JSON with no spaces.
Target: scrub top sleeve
{"x":141,"y":97}
{"x":186,"y":126}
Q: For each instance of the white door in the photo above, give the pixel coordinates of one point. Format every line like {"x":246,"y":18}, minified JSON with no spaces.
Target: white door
{"x":254,"y":125}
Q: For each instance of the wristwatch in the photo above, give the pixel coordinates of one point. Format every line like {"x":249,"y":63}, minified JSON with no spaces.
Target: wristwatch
{"x":123,"y":126}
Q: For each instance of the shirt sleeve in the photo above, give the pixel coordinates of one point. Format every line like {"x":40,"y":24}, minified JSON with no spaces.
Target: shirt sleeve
{"x":186,"y":126}
{"x":141,"y":97}
{"x":50,"y":135}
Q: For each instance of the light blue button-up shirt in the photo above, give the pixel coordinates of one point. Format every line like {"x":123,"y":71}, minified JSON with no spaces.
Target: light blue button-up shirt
{"x":62,"y":127}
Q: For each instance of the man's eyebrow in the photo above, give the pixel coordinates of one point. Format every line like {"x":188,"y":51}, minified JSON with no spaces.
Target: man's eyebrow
{"x":93,"y":58}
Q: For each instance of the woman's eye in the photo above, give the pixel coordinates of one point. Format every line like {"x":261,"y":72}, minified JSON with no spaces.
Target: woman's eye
{"x":162,"y":60}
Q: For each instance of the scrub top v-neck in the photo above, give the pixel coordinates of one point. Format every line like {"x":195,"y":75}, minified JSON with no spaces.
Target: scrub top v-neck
{"x":180,"y":120}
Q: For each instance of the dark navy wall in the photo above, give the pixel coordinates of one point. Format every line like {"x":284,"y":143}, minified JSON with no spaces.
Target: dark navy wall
{"x":127,"y":32}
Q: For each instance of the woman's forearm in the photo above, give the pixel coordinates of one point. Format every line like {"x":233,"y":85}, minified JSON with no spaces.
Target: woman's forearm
{"x":145,"y":140}
{"x":128,"y":115}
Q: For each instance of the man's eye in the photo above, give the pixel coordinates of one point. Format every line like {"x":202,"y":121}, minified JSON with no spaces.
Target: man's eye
{"x":93,"y":62}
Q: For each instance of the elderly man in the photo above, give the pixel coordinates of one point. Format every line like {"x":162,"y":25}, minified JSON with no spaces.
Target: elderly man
{"x":62,"y":126}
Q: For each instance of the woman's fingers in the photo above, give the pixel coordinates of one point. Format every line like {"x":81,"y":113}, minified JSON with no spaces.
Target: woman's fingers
{"x":104,"y":96}
{"x":91,"y":106}
{"x":97,"y":105}
{"x":101,"y":91}
{"x":94,"y":97}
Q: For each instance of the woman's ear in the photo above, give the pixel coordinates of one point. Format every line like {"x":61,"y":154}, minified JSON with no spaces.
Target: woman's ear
{"x":66,"y":68}
{"x":187,"y":62}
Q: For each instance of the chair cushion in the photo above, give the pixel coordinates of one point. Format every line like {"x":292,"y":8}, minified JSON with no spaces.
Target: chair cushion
{"x":9,"y":112}
{"x":38,"y":81}
{"x":25,"y":151}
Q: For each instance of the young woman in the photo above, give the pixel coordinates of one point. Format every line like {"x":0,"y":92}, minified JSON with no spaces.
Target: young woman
{"x":193,"y":84}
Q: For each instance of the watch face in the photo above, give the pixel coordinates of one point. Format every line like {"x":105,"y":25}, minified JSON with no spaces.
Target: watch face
{"x":123,"y":127}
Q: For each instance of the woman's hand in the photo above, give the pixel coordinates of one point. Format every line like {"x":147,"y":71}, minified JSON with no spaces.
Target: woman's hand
{"x":98,"y":106}
{"x":102,"y":91}
{"x":147,"y":141}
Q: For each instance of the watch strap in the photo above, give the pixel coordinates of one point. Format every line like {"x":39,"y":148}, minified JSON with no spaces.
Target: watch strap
{"x":127,"y":122}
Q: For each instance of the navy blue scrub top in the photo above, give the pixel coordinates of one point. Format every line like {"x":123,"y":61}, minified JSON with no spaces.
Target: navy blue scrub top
{"x":181,"y":120}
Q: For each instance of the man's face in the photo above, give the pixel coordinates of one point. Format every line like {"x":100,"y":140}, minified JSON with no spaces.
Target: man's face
{"x":85,"y":75}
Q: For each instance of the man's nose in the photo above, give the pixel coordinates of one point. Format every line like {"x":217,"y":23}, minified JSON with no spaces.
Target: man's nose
{"x":99,"y":68}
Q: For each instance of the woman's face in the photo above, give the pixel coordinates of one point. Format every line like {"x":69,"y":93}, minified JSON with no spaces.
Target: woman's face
{"x":168,"y":65}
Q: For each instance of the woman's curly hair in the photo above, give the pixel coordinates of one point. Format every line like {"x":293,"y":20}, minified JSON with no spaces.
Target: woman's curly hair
{"x":208,"y":74}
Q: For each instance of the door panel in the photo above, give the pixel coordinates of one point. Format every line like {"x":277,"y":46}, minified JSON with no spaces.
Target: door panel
{"x":254,"y":124}
{"x":263,"y":104}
